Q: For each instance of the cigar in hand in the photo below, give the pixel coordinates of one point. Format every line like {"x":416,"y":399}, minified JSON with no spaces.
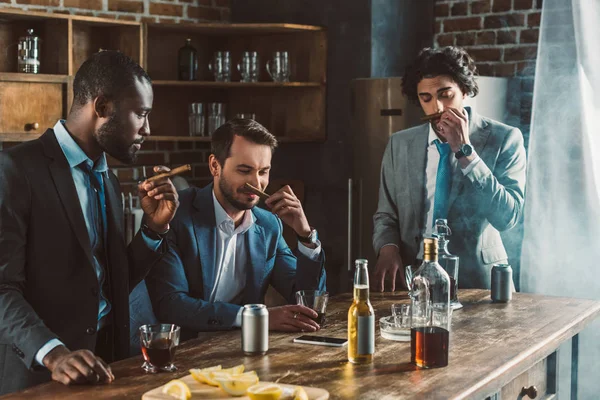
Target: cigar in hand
{"x":256,"y":191}
{"x":431,"y":116}
{"x":173,"y":172}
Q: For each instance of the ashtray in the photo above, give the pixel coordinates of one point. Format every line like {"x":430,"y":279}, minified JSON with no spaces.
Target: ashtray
{"x":390,"y":330}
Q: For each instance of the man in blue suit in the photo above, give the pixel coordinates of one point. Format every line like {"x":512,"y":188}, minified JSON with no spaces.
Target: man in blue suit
{"x":224,"y":251}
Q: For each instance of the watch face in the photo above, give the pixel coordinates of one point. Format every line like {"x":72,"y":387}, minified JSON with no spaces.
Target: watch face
{"x":467,"y":149}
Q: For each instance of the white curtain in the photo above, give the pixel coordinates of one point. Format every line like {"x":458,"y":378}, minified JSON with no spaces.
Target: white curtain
{"x":561,"y":247}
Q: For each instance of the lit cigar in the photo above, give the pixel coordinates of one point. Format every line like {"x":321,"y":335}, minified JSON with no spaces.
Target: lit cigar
{"x":431,"y":116}
{"x":256,"y":191}
{"x":173,"y":172}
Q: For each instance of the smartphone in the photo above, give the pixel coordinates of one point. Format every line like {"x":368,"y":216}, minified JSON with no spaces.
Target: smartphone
{"x":321,"y":340}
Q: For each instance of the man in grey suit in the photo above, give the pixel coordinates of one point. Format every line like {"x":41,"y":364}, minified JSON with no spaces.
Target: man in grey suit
{"x":460,"y":166}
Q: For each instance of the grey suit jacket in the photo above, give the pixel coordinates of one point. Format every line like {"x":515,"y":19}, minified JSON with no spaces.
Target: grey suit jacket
{"x":48,"y":285}
{"x":488,"y":200}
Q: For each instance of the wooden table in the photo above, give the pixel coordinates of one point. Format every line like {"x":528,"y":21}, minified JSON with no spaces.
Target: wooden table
{"x":494,"y":348}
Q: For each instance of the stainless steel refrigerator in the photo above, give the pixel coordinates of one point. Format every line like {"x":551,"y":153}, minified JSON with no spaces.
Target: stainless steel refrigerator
{"x":378,"y":110}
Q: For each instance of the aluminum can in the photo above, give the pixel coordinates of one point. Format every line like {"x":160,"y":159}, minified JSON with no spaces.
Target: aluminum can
{"x":255,"y":329}
{"x":501,"y":283}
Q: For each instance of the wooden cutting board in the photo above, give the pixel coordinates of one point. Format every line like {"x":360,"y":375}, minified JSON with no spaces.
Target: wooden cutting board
{"x":206,"y":392}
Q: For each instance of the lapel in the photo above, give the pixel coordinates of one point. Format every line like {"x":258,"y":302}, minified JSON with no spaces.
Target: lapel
{"x":115,"y":245}
{"x":479,"y":132}
{"x":415,"y":159}
{"x":257,"y":251}
{"x":65,"y":187}
{"x":205,"y":231}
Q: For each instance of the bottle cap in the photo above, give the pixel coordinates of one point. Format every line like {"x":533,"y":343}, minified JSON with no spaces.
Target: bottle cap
{"x":430,"y":246}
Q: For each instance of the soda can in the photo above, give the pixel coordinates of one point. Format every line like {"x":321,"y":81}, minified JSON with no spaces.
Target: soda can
{"x":501,"y":283}
{"x":255,"y":329}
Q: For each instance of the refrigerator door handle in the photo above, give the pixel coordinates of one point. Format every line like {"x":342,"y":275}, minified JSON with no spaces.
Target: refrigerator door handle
{"x":350,"y":224}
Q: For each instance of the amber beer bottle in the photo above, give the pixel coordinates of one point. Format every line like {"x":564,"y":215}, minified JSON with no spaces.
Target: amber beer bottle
{"x":361,"y":319}
{"x":430,"y":309}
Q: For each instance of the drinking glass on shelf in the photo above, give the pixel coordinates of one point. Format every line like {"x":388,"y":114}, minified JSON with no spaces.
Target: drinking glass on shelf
{"x":279,"y":68}
{"x":249,"y":67}
{"x":196,"y":119}
{"x":159,"y":343}
{"x":246,"y":116}
{"x":220,"y":66}
{"x":216,"y":116}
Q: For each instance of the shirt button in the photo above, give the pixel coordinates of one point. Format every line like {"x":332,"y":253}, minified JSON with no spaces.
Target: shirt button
{"x":90,"y":331}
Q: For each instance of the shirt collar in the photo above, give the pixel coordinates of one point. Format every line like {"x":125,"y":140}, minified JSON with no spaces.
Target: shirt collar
{"x":433,"y":136}
{"x":225,"y":222}
{"x":74,"y":154}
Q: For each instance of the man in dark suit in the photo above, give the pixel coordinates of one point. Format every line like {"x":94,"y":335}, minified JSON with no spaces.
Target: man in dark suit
{"x":461,"y":166}
{"x":224,"y":251}
{"x":65,"y":271}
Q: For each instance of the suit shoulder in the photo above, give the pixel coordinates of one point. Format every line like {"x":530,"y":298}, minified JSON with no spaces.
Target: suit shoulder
{"x":25,"y":151}
{"x":500,"y":128}
{"x":408,"y":134}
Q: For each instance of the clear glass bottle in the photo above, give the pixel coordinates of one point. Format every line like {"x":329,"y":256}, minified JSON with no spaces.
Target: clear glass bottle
{"x":187,"y":62}
{"x":448,"y":261}
{"x":430,"y":311}
{"x":361,"y":318}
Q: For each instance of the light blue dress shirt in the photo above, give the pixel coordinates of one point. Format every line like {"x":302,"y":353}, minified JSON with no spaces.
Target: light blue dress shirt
{"x":75,"y":157}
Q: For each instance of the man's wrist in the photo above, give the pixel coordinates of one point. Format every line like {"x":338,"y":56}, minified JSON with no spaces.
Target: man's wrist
{"x":158,"y":229}
{"x":54,"y":356}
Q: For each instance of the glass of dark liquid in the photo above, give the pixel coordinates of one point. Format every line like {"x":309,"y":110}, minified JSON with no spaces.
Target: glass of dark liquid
{"x":315,"y":299}
{"x":159,"y":343}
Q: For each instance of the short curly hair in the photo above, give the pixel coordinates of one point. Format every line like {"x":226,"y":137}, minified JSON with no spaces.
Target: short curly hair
{"x":451,"y":61}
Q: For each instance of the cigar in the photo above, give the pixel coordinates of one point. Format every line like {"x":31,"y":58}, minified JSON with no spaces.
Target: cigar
{"x":431,"y":116}
{"x":173,"y":172}
{"x":256,"y":191}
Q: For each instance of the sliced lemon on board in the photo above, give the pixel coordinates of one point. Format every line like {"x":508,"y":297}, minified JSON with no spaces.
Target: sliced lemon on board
{"x":238,"y":369}
{"x":264,"y":392}
{"x":222,"y":373}
{"x":201,"y":375}
{"x":300,"y":393}
{"x":237,"y":385}
{"x":177,"y":389}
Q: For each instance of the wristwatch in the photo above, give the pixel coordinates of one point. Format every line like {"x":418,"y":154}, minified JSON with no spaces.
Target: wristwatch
{"x":311,"y":238}
{"x":465,"y":151}
{"x":152,"y":234}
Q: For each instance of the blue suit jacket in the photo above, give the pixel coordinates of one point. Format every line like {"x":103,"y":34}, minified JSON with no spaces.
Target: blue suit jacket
{"x":179,"y":285}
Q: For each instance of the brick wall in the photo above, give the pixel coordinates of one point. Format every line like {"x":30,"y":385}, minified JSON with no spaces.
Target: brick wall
{"x":132,"y":10}
{"x":502,"y":37}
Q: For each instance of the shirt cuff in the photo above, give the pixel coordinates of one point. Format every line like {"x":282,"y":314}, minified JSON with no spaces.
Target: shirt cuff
{"x":467,"y":170}
{"x":238,"y":319}
{"x":47,"y":348}
{"x":152,"y":244}
{"x":389,"y":244}
{"x":312,"y":254}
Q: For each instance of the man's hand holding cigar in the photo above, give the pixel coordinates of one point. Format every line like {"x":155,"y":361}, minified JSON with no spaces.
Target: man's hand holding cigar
{"x":287,"y":206}
{"x":159,"y":200}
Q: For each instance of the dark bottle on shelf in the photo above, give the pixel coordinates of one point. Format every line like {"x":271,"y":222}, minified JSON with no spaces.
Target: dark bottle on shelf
{"x":188,"y":62}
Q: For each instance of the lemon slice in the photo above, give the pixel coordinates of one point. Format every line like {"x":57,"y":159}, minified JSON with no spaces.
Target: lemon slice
{"x":264,"y":392}
{"x":177,"y":389}
{"x":300,"y":393}
{"x":201,"y":375}
{"x":238,"y":369}
{"x":237,"y":385}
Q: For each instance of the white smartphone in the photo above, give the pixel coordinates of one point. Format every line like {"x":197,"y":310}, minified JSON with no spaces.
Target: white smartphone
{"x":321,"y":340}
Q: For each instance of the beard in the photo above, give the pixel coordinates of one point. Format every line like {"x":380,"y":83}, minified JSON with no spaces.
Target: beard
{"x":229,"y":194}
{"x":111,"y":139}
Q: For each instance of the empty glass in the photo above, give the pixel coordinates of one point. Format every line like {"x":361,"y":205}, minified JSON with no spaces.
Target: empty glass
{"x":279,"y":67}
{"x":216,"y":116}
{"x":315,"y":299}
{"x":159,"y":343}
{"x":196,"y":119}
{"x":220,"y":66}
{"x":249,"y":67}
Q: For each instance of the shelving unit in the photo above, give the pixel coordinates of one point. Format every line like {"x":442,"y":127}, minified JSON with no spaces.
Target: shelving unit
{"x":293,"y":111}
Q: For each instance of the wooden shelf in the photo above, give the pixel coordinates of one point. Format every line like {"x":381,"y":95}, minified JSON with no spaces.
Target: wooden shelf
{"x":213,"y":29}
{"x":226,"y":85}
{"x":38,"y":78}
{"x":20,"y":136}
{"x":206,"y":139}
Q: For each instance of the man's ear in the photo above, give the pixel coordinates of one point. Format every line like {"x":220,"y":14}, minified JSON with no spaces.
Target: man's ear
{"x":103,"y":108}
{"x":214,"y":166}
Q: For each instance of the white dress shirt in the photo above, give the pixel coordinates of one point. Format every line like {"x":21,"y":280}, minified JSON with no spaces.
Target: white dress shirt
{"x":232,"y":257}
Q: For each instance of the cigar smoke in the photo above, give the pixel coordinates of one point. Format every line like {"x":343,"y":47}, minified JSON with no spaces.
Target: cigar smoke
{"x":561,"y":247}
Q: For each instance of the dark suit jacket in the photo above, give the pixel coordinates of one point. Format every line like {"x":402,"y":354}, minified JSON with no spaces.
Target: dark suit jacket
{"x":181,"y":282}
{"x":48,"y":286}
